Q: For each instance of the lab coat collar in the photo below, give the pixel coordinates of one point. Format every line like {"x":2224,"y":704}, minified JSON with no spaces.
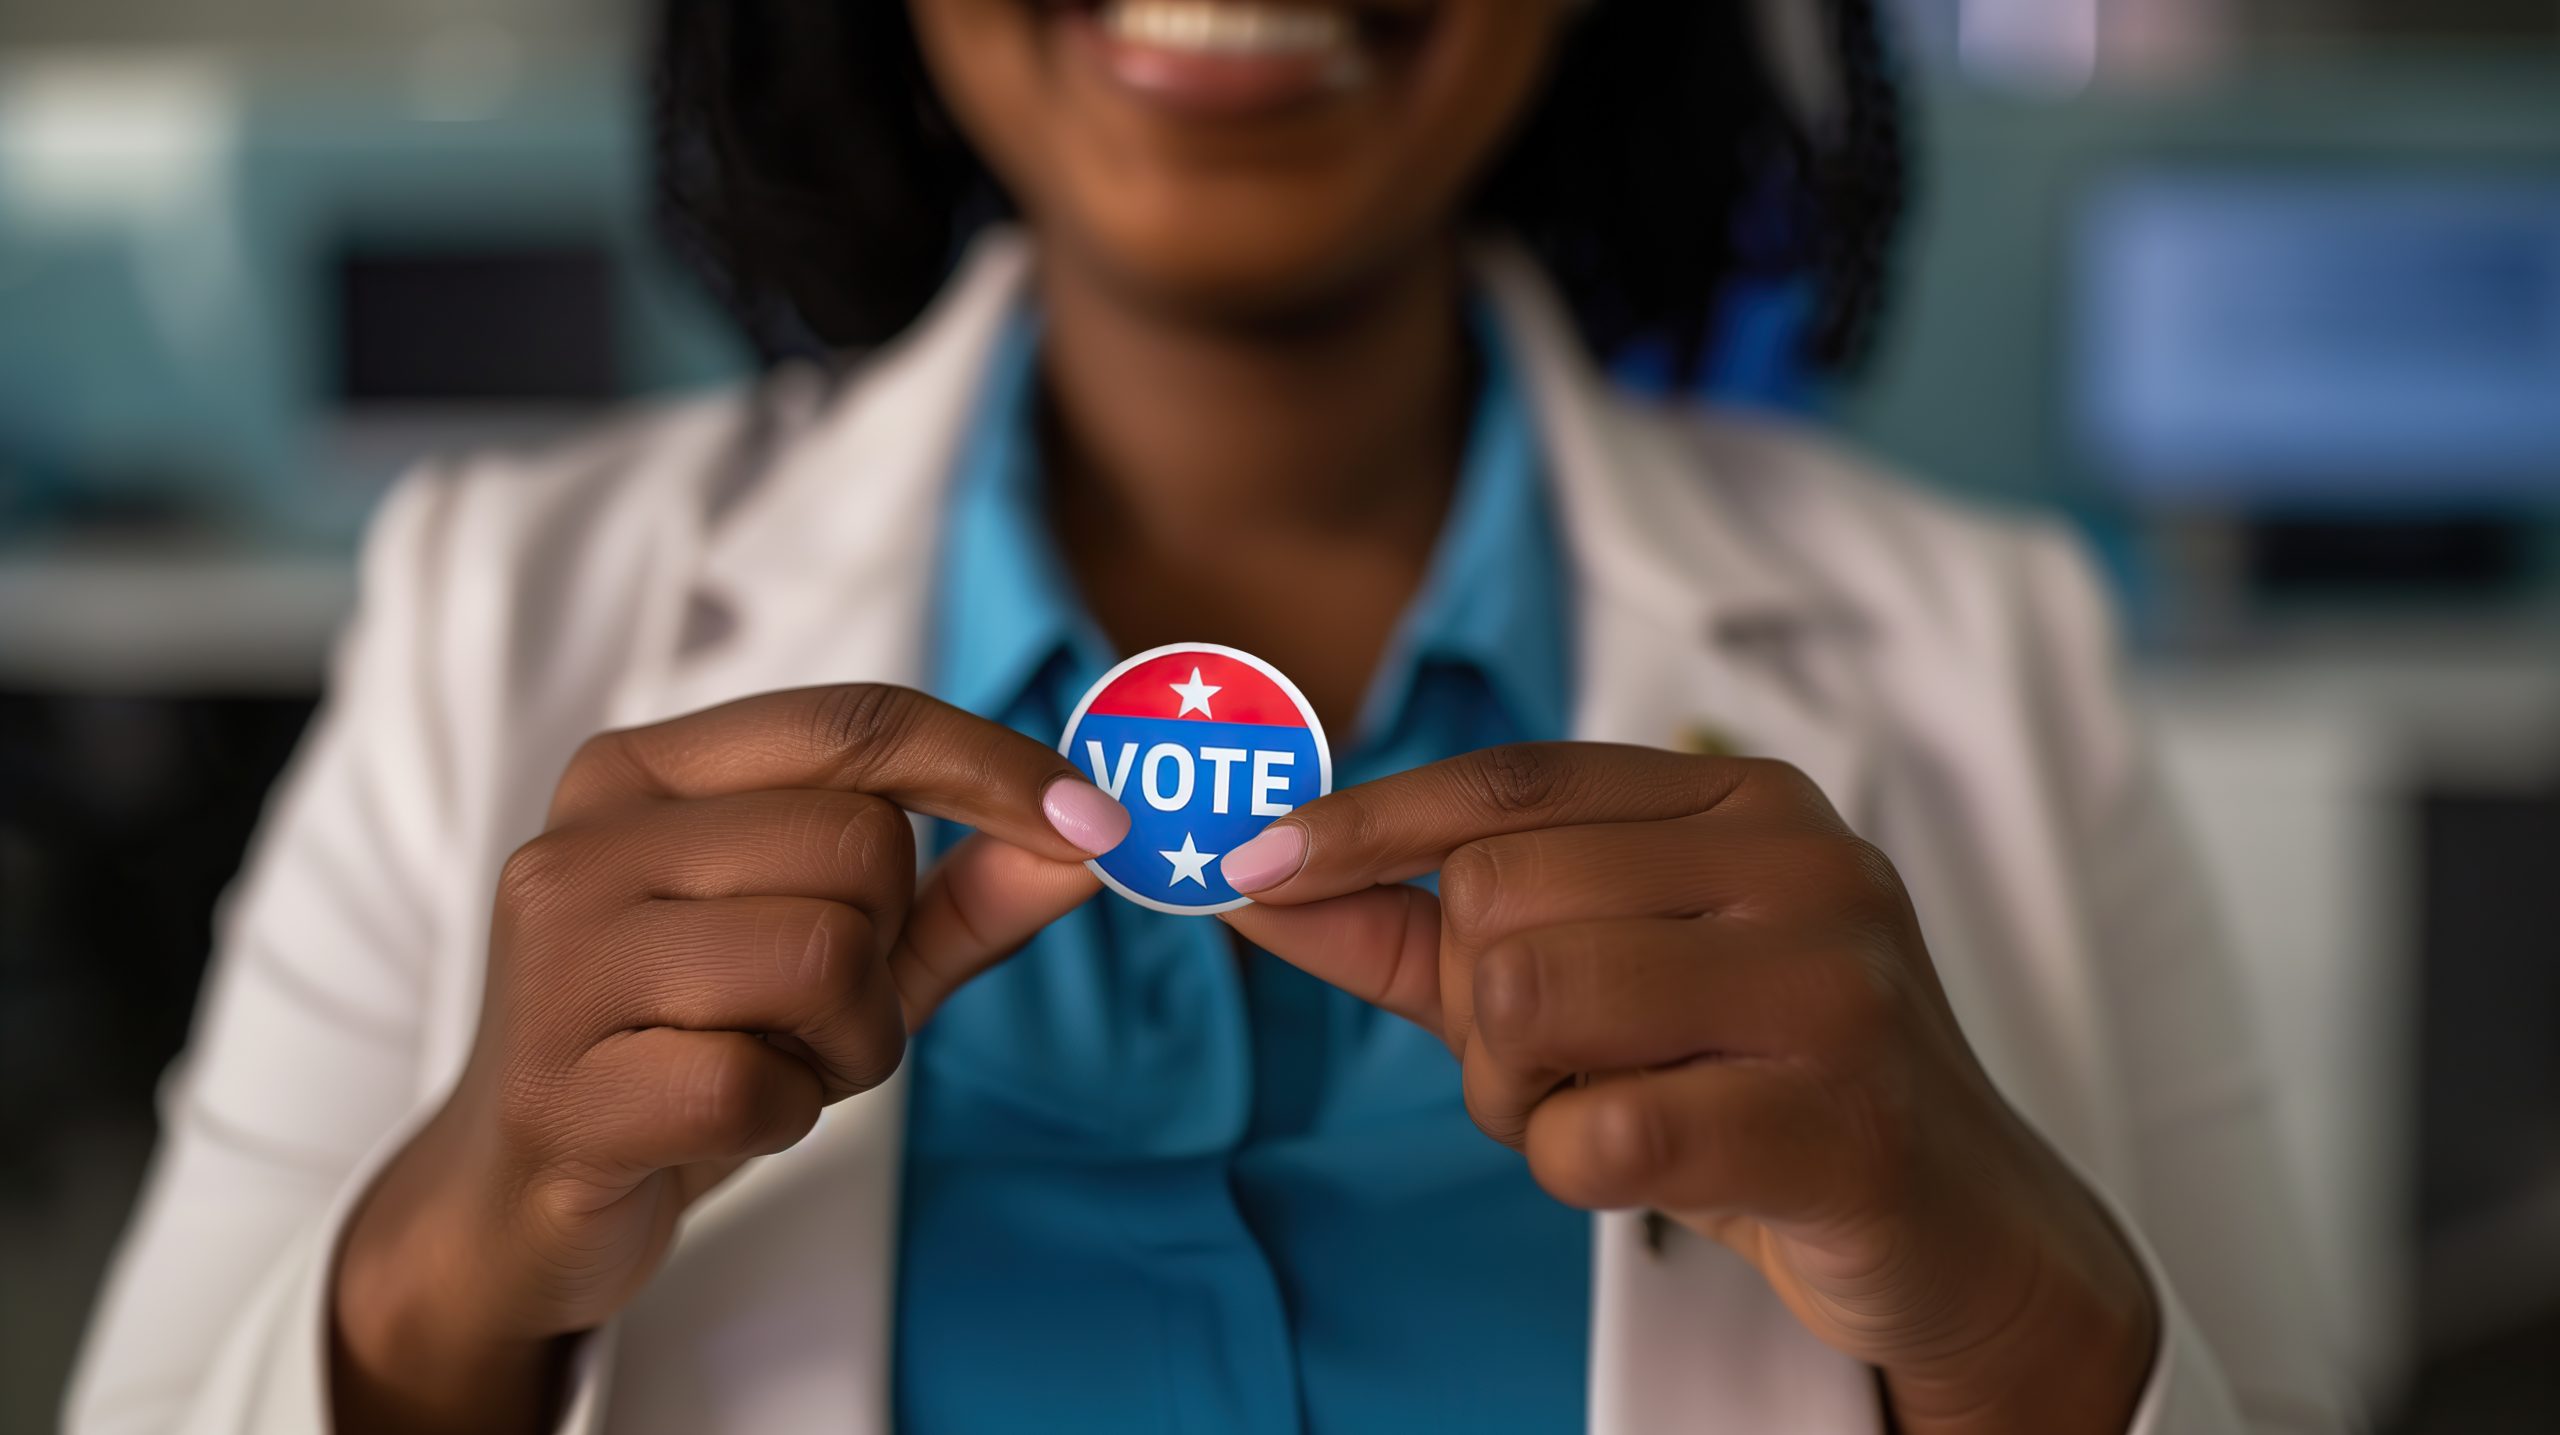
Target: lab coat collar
{"x":1642,"y":521}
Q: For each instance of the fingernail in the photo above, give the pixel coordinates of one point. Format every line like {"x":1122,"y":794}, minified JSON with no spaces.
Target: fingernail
{"x":1085,"y":815}
{"x":1267,"y":860}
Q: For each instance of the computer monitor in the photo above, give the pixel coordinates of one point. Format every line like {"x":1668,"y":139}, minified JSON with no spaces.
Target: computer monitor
{"x":530,"y":324}
{"x":2326,"y":341}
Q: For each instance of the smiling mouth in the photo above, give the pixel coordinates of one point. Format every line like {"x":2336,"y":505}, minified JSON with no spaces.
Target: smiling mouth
{"x":1243,"y":58}
{"x":1225,"y":27}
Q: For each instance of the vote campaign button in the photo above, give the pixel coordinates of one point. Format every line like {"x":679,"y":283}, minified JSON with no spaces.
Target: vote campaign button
{"x":1205,"y":746}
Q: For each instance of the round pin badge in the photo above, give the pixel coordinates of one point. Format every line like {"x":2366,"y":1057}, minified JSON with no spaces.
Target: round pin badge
{"x":1205,"y":746}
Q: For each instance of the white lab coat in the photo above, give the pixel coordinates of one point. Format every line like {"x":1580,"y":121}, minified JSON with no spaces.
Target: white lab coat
{"x":1946,"y":677}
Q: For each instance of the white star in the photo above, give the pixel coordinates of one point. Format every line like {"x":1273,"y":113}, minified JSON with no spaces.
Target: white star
{"x":1195,"y":695}
{"x":1190,"y":864}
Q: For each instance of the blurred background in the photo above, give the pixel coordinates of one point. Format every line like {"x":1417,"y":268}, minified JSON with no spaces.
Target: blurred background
{"x":2264,"y":293}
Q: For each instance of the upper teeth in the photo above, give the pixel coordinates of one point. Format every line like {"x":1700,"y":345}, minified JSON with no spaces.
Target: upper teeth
{"x":1228,"y":27}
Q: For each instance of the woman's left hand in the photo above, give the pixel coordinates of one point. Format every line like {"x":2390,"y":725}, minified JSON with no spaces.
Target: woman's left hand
{"x":1682,"y":984}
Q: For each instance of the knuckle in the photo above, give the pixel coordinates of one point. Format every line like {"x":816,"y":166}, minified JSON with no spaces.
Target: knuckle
{"x":1520,"y":778}
{"x":1859,"y":1001}
{"x":537,"y":874}
{"x":854,"y":720}
{"x":852,"y":1020}
{"x":1604,"y":1155}
{"x":1790,"y":794}
{"x":819,"y":950}
{"x":541,"y":1114}
{"x":602,"y":759}
{"x":1884,"y":1133}
{"x":1510,"y":994}
{"x":1834,"y":869}
{"x":526,"y":1119}
{"x":557,"y":1203}
{"x":1495,"y":1110}
{"x":873,"y":836}
{"x":875,"y":1056}
{"x":608,"y":766}
{"x":719,"y":1091}
{"x":1502,"y":1127}
{"x":1845,"y":876}
{"x":1774,"y":774}
{"x":1625,"y":1143}
{"x":556,"y":1207}
{"x":1349,"y":821}
{"x":1472,"y":883}
{"x":1866,"y":870}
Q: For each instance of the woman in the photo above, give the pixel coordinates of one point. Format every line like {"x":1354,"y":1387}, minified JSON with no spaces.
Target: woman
{"x":506,"y":1008}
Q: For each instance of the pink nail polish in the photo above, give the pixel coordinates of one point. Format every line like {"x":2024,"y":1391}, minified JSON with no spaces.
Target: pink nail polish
{"x":1268,"y":860}
{"x":1085,"y":815}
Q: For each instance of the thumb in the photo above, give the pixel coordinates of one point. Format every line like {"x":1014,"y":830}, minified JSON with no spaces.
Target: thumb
{"x":977,"y":907}
{"x":1381,"y":944}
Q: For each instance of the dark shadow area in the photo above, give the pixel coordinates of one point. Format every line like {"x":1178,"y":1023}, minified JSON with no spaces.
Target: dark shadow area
{"x":120,"y":823}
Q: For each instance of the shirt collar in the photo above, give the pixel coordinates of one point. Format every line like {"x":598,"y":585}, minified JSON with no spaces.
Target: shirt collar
{"x":1492,"y":598}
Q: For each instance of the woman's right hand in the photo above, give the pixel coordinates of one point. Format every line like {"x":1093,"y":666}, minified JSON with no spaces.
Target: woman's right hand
{"x":720,"y":932}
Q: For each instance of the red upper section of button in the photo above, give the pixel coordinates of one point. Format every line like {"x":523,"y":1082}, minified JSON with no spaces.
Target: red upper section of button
{"x":1243,"y":693}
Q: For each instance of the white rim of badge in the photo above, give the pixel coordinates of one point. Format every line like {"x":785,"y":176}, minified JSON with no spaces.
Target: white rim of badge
{"x":1307,"y":710}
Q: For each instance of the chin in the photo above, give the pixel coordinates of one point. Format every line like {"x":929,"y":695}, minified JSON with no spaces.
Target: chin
{"x":1241,"y":258}
{"x":1246,"y":159}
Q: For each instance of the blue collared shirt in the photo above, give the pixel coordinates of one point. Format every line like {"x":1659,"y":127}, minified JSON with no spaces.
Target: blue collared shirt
{"x":1150,"y":1187}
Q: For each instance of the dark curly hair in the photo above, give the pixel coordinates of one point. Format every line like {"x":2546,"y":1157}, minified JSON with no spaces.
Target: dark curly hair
{"x":808,"y":172}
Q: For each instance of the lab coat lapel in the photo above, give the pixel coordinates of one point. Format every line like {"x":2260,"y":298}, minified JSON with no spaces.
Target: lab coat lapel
{"x":1690,"y":633}
{"x":1688,"y":637}
{"x":792,"y":1262}
{"x":819,"y":569}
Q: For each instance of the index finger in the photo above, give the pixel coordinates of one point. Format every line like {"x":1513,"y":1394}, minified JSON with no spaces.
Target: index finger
{"x":1398,"y":828}
{"x":892,"y":742}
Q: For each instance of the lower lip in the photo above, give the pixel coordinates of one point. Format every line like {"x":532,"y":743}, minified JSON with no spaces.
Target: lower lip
{"x":1238,"y":86}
